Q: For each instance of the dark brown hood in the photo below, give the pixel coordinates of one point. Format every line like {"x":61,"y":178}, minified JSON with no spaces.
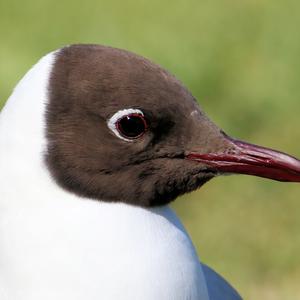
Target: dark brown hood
{"x":181,"y":150}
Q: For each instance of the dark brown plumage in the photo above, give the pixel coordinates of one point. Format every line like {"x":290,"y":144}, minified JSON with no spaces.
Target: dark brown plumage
{"x":88,"y":85}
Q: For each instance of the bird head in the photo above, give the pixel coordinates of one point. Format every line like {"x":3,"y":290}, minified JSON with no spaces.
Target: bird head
{"x":121,"y":128}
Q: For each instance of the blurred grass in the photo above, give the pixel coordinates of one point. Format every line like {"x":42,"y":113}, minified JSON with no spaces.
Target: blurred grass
{"x":241,"y":60}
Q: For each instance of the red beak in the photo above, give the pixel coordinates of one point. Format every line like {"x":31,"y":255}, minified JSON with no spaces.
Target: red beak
{"x":245,"y":158}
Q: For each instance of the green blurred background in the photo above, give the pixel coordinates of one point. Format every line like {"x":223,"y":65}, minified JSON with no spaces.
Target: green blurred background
{"x":241,"y":59}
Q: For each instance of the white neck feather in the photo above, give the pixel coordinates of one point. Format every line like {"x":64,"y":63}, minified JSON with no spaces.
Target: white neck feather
{"x":22,"y":139}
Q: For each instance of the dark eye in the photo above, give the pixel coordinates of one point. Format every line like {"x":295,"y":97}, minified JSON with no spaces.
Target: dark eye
{"x":128,"y":124}
{"x":132,"y":126}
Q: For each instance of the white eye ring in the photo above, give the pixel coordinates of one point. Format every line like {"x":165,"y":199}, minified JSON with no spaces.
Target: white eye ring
{"x":111,"y":123}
